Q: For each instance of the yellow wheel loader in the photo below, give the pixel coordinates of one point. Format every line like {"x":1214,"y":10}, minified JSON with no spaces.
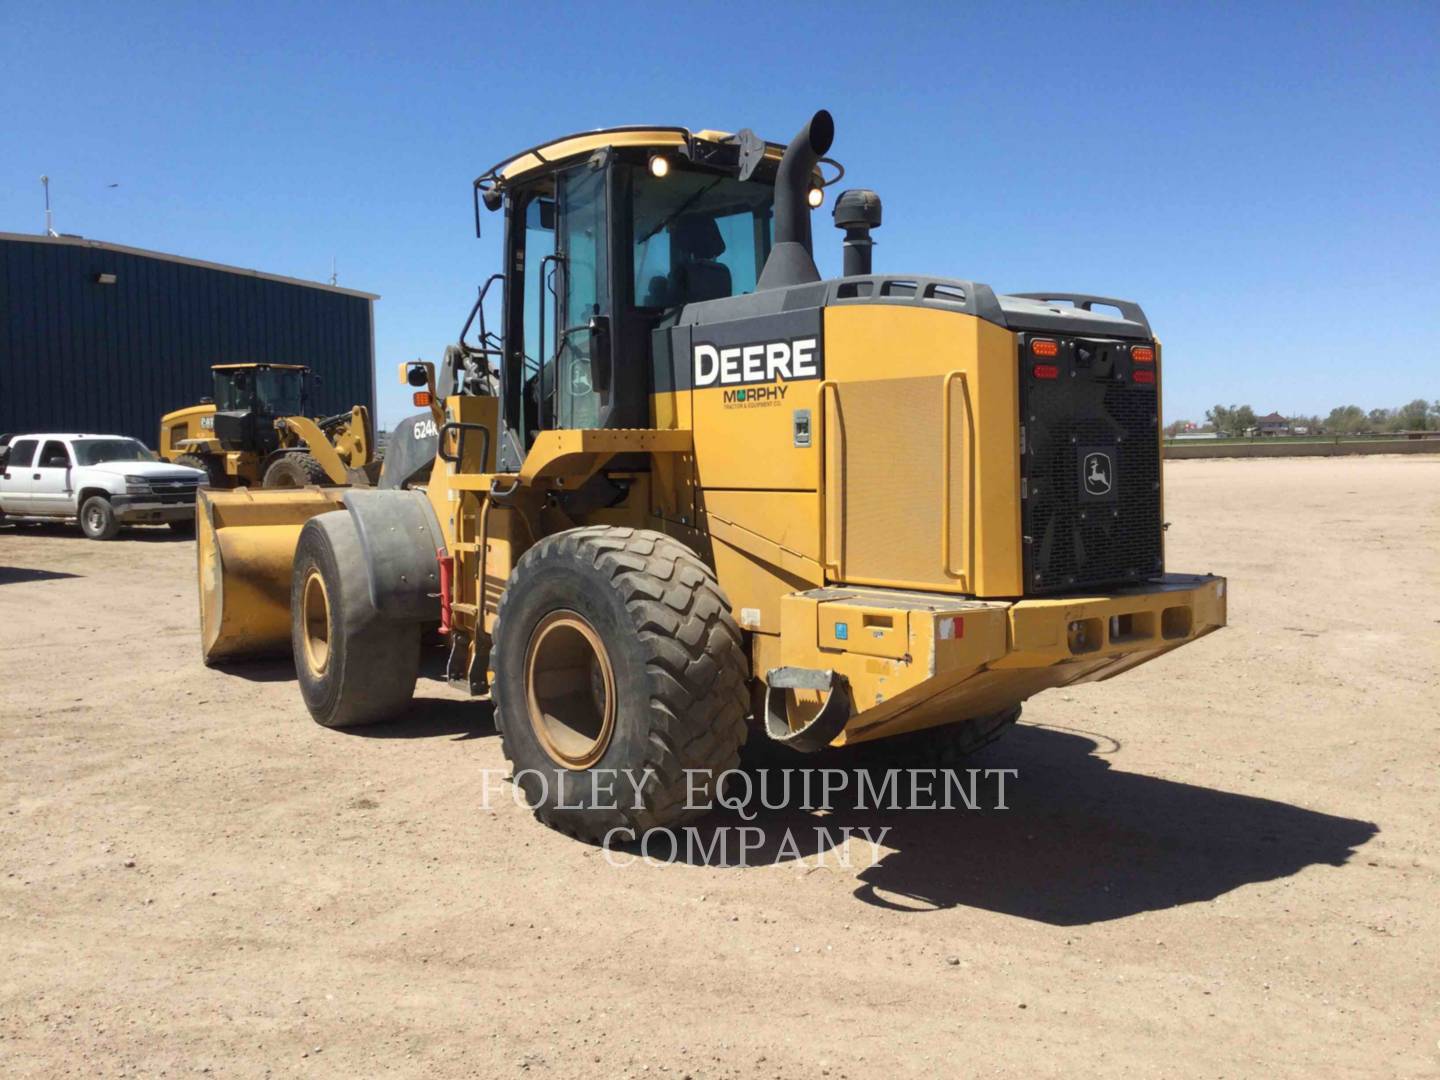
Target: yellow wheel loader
{"x":254,"y":433}
{"x":716,"y":493}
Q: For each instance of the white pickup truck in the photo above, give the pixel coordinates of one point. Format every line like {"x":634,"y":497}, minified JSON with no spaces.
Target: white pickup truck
{"x":101,"y":481}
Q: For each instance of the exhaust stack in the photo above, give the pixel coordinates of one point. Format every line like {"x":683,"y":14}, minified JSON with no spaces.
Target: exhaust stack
{"x":792,"y":259}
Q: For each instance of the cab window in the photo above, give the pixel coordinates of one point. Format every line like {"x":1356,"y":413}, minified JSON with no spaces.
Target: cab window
{"x":696,"y":236}
{"x":55,"y":455}
{"x":22,"y":453}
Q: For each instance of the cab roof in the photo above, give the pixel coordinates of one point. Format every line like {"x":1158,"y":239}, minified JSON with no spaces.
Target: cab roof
{"x":239,"y":367}
{"x":526,"y":161}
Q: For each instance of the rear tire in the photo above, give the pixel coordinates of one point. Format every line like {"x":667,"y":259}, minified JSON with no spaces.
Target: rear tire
{"x":296,"y":470}
{"x":948,"y":745}
{"x":355,"y":666}
{"x":97,"y":519}
{"x":615,"y":655}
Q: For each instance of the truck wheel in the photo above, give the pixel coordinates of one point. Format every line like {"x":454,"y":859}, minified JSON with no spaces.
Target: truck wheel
{"x":355,"y":666}
{"x":97,"y":518}
{"x":616,"y":660}
{"x":296,"y":470}
{"x":205,"y":465}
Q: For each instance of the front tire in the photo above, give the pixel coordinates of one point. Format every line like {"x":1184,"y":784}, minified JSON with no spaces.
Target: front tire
{"x":355,"y":666}
{"x":617,"y":662}
{"x":295,"y":470}
{"x":98,"y":520}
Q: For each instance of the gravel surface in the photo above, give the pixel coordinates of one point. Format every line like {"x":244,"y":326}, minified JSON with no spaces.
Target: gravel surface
{"x":1222,"y":864}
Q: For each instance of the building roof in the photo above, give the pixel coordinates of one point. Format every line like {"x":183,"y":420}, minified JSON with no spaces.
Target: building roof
{"x":1273,"y":418}
{"x":100,"y":245}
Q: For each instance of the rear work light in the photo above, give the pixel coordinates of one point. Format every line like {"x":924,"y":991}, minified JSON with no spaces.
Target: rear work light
{"x":1142,"y":354}
{"x":1145,"y":376}
{"x":1045,"y":371}
{"x":1044,"y":347}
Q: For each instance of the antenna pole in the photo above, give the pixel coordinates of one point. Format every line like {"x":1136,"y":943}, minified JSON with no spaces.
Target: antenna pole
{"x":49,"y":218}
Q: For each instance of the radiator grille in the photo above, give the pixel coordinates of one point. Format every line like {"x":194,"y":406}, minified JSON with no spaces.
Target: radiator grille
{"x":1091,"y":468}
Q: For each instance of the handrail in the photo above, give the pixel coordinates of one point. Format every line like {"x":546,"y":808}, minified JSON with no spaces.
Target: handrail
{"x":945,"y":472}
{"x":826,"y":567}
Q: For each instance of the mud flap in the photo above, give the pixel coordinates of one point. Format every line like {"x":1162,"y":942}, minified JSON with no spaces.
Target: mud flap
{"x":827,"y":723}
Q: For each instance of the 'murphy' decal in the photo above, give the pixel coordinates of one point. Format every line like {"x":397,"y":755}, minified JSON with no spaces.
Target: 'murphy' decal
{"x":747,"y":365}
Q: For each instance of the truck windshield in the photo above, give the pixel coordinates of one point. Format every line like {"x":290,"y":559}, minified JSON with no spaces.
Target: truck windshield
{"x":697,"y":236}
{"x":99,"y":451}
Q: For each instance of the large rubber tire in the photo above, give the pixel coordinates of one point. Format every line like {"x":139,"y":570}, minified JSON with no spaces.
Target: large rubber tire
{"x":97,"y":519}
{"x":206,"y":465}
{"x":679,"y":679}
{"x":295,"y":470}
{"x":355,"y":666}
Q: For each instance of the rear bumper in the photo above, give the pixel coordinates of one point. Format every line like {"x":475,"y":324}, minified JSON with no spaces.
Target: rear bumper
{"x":912,"y":660}
{"x":142,"y":509}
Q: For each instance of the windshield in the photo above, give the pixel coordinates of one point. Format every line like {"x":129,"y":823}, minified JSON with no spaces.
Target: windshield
{"x":697,"y":236}
{"x":99,"y":451}
{"x":271,"y":391}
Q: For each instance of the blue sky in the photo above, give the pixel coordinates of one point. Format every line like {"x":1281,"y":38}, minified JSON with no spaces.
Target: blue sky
{"x":1263,"y":178}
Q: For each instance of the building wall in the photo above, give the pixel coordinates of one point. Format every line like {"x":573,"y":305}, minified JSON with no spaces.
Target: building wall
{"x":76,"y":355}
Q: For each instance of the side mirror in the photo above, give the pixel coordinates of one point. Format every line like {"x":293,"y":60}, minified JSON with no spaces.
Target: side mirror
{"x":600,"y":352}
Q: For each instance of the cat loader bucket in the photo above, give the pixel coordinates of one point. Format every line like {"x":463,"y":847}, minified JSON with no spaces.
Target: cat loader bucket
{"x":245,"y":544}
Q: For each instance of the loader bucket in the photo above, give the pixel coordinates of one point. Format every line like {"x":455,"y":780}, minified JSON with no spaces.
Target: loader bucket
{"x":245,"y":544}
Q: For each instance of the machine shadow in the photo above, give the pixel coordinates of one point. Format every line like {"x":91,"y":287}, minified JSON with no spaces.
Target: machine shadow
{"x":431,"y":718}
{"x":15,"y":575}
{"x":1081,"y":842}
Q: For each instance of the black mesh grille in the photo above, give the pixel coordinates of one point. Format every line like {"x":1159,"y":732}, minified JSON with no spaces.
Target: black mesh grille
{"x":1091,"y":467}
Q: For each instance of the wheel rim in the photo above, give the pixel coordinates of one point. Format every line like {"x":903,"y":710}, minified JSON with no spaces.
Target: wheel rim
{"x":315,"y":611}
{"x":570,"y":690}
{"x":94,"y":518}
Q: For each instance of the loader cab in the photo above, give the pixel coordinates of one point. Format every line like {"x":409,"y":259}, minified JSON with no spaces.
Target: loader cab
{"x":602,"y":248}
{"x":250,"y":397}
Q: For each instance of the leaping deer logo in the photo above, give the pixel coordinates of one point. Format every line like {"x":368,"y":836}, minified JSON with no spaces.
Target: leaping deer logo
{"x":1097,"y":474}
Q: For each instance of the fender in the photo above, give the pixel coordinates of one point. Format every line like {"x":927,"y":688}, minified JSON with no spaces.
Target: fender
{"x":402,"y":541}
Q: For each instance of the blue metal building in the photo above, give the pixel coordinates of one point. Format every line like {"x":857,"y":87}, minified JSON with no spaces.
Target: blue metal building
{"x":96,"y":337}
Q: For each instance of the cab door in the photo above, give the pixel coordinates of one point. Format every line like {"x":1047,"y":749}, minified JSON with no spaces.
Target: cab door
{"x":557,"y":346}
{"x":15,"y":477}
{"x":50,"y":490}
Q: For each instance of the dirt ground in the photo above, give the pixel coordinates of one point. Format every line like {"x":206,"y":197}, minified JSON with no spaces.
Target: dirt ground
{"x":1226,"y":863}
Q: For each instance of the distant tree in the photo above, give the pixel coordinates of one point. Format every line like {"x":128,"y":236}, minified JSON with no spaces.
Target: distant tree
{"x":1345,"y":420}
{"x":1379,"y":420}
{"x":1175,"y":427}
{"x":1235,"y":420}
{"x":1413,"y":417}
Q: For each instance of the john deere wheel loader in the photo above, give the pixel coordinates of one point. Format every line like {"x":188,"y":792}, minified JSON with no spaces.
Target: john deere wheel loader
{"x":714,"y":487}
{"x":255,"y":432}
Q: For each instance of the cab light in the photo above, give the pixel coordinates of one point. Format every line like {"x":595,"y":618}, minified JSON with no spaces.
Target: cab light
{"x":1045,"y":371}
{"x":422,"y":398}
{"x":815,"y":198}
{"x":1142,"y":354}
{"x":1044,"y":347}
{"x":659,"y":166}
{"x":1144,"y":376}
